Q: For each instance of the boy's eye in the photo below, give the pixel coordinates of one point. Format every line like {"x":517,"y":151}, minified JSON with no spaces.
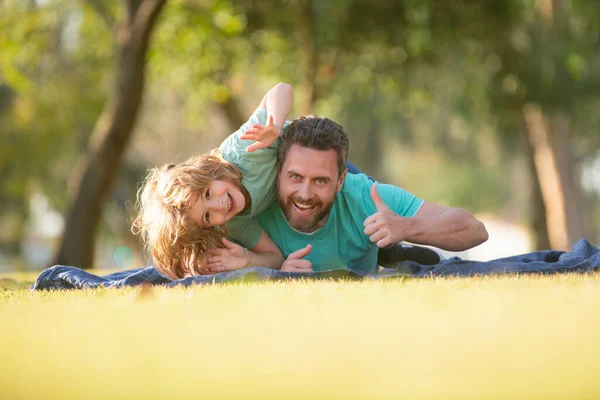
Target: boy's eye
{"x":207,"y":194}
{"x":207,"y":216}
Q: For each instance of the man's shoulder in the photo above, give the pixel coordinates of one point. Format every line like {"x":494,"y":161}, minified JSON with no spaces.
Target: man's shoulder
{"x":354,"y":196}
{"x":355,"y":183}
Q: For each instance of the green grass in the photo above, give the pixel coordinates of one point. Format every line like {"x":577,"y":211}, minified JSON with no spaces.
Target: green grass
{"x":501,"y":337}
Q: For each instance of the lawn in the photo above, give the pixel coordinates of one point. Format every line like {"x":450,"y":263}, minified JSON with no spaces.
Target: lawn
{"x":452,"y":338}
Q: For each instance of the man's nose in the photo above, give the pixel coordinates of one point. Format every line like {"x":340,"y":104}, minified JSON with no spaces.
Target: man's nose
{"x":305,"y":191}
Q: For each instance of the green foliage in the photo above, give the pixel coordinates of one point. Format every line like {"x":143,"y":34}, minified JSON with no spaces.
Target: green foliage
{"x":437,"y":83}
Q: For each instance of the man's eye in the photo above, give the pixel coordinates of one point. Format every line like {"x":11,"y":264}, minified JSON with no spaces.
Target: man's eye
{"x":321,"y":181}
{"x":295,"y":176}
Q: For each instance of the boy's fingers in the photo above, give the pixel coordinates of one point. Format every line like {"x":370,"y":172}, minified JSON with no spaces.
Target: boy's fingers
{"x":254,"y":147}
{"x":249,"y":137}
{"x":213,"y":261}
{"x":218,"y":252}
{"x":228,"y":244}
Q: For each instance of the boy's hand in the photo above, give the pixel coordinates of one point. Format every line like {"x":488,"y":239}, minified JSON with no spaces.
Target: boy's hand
{"x":229,"y":258}
{"x":264,"y":135}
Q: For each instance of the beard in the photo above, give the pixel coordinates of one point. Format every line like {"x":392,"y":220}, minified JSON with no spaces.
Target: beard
{"x":304,"y":223}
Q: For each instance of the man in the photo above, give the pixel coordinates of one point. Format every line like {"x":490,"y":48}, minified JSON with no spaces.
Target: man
{"x":327,"y":219}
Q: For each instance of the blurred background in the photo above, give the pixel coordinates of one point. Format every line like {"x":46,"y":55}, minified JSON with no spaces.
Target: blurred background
{"x":493,"y":106}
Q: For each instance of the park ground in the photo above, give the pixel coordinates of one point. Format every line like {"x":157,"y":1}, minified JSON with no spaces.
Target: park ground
{"x":436,"y":338}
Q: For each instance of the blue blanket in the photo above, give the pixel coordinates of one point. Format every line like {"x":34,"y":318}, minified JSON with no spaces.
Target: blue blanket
{"x":584,"y":257}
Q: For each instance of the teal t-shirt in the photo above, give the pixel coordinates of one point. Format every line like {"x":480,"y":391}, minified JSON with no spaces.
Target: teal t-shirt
{"x":259,"y":171}
{"x":341,"y":242}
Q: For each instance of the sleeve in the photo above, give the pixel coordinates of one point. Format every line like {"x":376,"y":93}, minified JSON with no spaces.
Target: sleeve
{"x":245,"y":231}
{"x":234,"y":149}
{"x":234,"y":146}
{"x":399,"y":200}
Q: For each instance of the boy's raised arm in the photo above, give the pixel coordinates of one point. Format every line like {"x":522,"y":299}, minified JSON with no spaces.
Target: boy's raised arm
{"x":278,"y":104}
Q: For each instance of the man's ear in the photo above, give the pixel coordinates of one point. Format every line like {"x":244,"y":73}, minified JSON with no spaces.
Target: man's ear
{"x":341,"y":179}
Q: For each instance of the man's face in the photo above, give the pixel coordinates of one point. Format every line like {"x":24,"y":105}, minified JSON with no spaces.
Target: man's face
{"x":308,"y":182}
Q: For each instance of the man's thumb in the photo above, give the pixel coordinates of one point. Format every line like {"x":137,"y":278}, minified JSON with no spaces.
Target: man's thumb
{"x":377,"y":200}
{"x":298,"y":254}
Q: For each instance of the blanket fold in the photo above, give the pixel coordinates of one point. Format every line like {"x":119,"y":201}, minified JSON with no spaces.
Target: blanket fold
{"x":582,"y":258}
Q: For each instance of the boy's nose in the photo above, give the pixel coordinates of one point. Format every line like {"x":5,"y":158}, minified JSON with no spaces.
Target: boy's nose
{"x":221,"y":204}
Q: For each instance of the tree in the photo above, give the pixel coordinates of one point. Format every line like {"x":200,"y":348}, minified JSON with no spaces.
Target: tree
{"x":96,"y":171}
{"x":547,"y":55}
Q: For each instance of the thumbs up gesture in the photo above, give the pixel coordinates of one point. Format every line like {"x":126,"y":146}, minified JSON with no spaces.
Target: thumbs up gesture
{"x":385,"y":227}
{"x":295,"y":262}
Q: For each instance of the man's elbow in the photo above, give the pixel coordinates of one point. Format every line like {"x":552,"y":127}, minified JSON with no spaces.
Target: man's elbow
{"x":484,"y":233}
{"x":473,"y":232}
{"x":479,"y":233}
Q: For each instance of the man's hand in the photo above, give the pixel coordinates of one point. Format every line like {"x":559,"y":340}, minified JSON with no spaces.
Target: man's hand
{"x":385,"y":227}
{"x":264,"y":135}
{"x":230,"y":258}
{"x":295,"y":263}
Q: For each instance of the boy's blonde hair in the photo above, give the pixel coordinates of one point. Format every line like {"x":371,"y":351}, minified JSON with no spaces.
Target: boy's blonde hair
{"x":177,"y":244}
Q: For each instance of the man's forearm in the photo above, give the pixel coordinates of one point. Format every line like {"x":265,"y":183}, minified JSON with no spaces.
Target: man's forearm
{"x":454,"y":230}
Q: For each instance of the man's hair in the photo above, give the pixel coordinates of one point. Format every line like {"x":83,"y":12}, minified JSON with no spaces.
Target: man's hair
{"x":177,"y":244}
{"x":318,"y":133}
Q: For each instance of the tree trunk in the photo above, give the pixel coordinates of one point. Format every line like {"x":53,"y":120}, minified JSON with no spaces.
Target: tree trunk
{"x":551,"y":152}
{"x":572,"y":189}
{"x":547,"y":172}
{"x":97,"y":170}
{"x":538,"y":208}
{"x":308,"y":57}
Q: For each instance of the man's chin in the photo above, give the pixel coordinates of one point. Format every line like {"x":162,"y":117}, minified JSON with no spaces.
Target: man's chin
{"x":302,"y":223}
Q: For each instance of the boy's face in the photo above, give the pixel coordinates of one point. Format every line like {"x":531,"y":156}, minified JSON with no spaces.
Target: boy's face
{"x":220,"y":202}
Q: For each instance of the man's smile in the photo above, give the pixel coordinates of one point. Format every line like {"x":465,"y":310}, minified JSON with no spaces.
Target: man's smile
{"x":303,"y":208}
